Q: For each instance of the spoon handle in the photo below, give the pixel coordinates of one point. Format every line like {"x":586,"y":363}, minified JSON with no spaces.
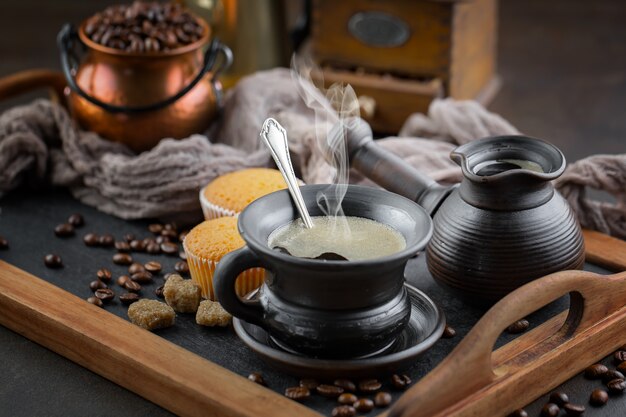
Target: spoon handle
{"x":275,"y":137}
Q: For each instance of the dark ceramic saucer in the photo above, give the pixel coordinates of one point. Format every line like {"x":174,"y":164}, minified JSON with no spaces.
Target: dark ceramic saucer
{"x":423,"y":330}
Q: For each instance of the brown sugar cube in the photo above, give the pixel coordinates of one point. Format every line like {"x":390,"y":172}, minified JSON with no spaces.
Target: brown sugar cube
{"x":151,"y":314}
{"x":183,"y":295}
{"x":211,"y":313}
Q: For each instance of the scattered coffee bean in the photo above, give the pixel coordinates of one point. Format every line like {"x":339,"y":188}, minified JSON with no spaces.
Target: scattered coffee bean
{"x":559,"y":398}
{"x":122,"y":280}
{"x":107,"y":241}
{"x":53,"y":261}
{"x":622,"y":367}
{"x":595,"y":371}
{"x":4,"y":244}
{"x":309,"y":383}
{"x":159,"y":291}
{"x":343,"y":411}
{"x":182,"y":236}
{"x":347,"y":398}
{"x":95,"y":301}
{"x":574,"y":410}
{"x":155,"y":228}
{"x":144,"y":277}
{"x":182,"y":267}
{"x":520,"y":412}
{"x":132,"y":286}
{"x":330,"y":391}
{"x":64,"y":230}
{"x":400,"y":382}
{"x":137,"y":245}
{"x":161,"y":239}
{"x":97,"y":285}
{"x":129,"y":298}
{"x":382,"y":399}
{"x":182,"y":255}
{"x":257,"y":378}
{"x":448,"y":332}
{"x":104,"y":275}
{"x":122,"y":246}
{"x":616,"y":386}
{"x":619,"y":356}
{"x":135,"y":267}
{"x":122,"y":259}
{"x":369,"y":386}
{"x":550,"y":410}
{"x":170,"y":234}
{"x":91,"y":239}
{"x":598,"y":397}
{"x":153,"y":266}
{"x":76,"y":220}
{"x":297,"y":393}
{"x":346,"y":384}
{"x":363,"y":405}
{"x":519,"y":326}
{"x":153,"y":248}
{"x":169,"y":248}
{"x":129,"y":237}
{"x":612,"y":374}
{"x":105,"y":294}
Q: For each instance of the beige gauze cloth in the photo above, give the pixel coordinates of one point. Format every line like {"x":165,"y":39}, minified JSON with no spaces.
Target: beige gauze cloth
{"x":40,"y":143}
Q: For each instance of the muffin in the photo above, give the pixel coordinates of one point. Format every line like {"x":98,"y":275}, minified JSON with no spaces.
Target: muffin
{"x":229,"y":194}
{"x":206,"y":244}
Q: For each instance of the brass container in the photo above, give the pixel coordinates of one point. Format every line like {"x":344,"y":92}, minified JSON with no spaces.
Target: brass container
{"x":140,"y":98}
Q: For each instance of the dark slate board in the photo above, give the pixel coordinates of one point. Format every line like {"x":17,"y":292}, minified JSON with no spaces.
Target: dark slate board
{"x":36,"y":381}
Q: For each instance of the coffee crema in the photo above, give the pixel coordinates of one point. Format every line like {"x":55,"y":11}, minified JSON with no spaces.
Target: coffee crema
{"x":337,"y":238}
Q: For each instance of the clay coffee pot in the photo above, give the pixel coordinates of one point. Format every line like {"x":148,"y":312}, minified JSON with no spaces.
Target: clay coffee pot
{"x":140,"y":98}
{"x":505,"y":225}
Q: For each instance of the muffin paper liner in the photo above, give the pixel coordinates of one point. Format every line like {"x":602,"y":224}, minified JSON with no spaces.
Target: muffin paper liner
{"x":213,"y":211}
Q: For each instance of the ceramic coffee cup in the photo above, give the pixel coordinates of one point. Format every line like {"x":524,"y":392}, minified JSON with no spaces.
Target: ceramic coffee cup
{"x":330,"y":309}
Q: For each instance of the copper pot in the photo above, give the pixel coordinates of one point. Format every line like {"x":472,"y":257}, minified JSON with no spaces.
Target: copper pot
{"x":140,"y":98}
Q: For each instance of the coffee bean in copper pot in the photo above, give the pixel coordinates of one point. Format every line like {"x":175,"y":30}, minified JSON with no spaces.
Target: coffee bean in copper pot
{"x":153,"y":266}
{"x":309,"y":383}
{"x":153,"y":248}
{"x":169,"y":248}
{"x":346,"y":384}
{"x":132,"y":286}
{"x":598,"y":397}
{"x":347,"y":398}
{"x":595,"y":371}
{"x":616,"y":386}
{"x":257,"y":378}
{"x":448,"y":332}
{"x":550,"y":410}
{"x":369,"y":386}
{"x":520,"y":412}
{"x":574,"y":410}
{"x":128,"y":298}
{"x":97,"y":285}
{"x":105,"y":294}
{"x":619,"y":356}
{"x":135,"y":267}
{"x":122,"y":246}
{"x":612,"y":374}
{"x":76,"y":220}
{"x":401,"y":382}
{"x":137,"y":245}
{"x":53,"y":261}
{"x":122,"y":259}
{"x":330,"y":391}
{"x":363,"y":405}
{"x":559,"y":398}
{"x":519,"y":326}
{"x":155,"y":228}
{"x":382,"y":399}
{"x":4,"y":244}
{"x":297,"y":393}
{"x":159,"y":291}
{"x":95,"y":301}
{"x":107,"y":241}
{"x":122,"y":279}
{"x":64,"y":230}
{"x":91,"y":239}
{"x":144,"y":277}
{"x":343,"y":411}
{"x":129,"y":237}
{"x":104,"y":275}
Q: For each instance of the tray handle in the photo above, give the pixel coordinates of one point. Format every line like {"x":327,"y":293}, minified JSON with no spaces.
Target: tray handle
{"x":469,"y":369}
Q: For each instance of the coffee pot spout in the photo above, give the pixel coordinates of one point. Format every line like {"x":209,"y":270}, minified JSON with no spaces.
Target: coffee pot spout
{"x":390,"y":171}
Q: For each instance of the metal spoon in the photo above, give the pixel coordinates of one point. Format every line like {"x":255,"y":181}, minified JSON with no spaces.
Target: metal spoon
{"x":275,"y":137}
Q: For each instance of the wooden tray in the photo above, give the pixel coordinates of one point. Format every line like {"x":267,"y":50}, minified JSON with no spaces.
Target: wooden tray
{"x":187,"y":384}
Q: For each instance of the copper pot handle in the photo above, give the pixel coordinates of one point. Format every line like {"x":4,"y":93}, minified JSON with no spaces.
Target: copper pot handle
{"x":69,"y":62}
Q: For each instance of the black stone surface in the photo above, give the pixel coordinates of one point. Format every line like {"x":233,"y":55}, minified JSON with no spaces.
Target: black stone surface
{"x":36,"y":381}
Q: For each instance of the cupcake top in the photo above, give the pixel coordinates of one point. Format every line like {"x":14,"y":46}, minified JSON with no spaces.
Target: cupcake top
{"x":237,"y":189}
{"x":212,"y":239}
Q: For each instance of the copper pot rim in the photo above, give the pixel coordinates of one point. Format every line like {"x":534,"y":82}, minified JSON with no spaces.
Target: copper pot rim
{"x":161,"y":54}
